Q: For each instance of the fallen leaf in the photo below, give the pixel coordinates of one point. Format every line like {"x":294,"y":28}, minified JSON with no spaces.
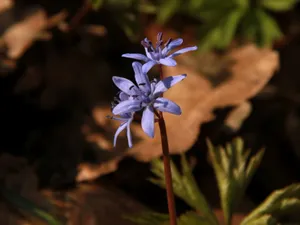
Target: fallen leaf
{"x":20,"y":36}
{"x":236,"y":117}
{"x":5,"y":5}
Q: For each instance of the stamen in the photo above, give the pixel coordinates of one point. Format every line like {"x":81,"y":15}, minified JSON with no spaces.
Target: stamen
{"x":159,"y":36}
{"x":131,"y":87}
{"x":112,"y":105}
{"x":145,"y":44}
{"x":142,"y":84}
{"x":168,"y":42}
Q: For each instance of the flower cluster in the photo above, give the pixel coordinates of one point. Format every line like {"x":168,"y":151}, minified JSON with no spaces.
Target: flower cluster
{"x":146,"y":95}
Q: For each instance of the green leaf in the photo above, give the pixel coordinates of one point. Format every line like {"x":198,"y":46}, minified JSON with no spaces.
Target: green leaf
{"x":119,"y":4}
{"x":148,"y":218}
{"x":96,"y":4}
{"x":28,"y":207}
{"x":191,"y":218}
{"x":129,"y":24}
{"x":279,"y":203}
{"x":147,"y":7}
{"x":249,"y":26}
{"x":167,"y":9}
{"x":242,"y":3}
{"x":228,"y":27}
{"x":278,"y":5}
{"x":234,"y":170}
{"x":219,"y":30}
{"x":263,"y":220}
{"x":193,"y":6}
{"x":184,"y":186}
{"x":268,"y":28}
{"x":210,"y":13}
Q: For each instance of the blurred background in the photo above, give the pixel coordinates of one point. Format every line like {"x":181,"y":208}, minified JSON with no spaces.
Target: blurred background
{"x":56,"y":63}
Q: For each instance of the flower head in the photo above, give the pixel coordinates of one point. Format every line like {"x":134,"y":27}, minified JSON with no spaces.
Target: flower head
{"x":145,"y":96}
{"x":159,"y":54}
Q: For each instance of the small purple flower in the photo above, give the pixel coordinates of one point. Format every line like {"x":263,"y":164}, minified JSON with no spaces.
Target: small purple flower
{"x":145,"y":96}
{"x":159,"y":55}
{"x":126,"y":119}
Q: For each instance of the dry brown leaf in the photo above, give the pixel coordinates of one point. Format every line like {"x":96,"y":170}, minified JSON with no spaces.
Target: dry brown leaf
{"x":88,"y":171}
{"x":236,"y":117}
{"x":5,"y":5}
{"x":20,"y":36}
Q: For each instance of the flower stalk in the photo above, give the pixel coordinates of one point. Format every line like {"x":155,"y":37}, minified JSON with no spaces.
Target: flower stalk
{"x":167,"y":166}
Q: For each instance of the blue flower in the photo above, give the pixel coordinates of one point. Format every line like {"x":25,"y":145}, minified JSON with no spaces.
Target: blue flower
{"x":145,"y":96}
{"x":126,"y":119}
{"x":159,"y":55}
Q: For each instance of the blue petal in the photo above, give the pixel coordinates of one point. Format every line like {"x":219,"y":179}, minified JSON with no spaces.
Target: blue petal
{"x":122,"y":119}
{"x":148,"y":65}
{"x":119,"y":130}
{"x":123,"y":96}
{"x":148,"y":121}
{"x":127,"y":106}
{"x":129,"y":138}
{"x":166,"y":105}
{"x":168,"y":62}
{"x":125,"y":85}
{"x":166,"y":83}
{"x":137,"y":56}
{"x":173,"y":44}
{"x":179,"y":52}
{"x":141,"y":78}
{"x":148,"y":54}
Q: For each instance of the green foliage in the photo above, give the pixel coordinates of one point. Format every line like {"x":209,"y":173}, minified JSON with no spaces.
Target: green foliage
{"x":279,"y":204}
{"x":192,"y":218}
{"x":234,"y":169}
{"x":149,"y":218}
{"x":167,"y":9}
{"x":28,"y":208}
{"x":185,"y":187}
{"x":278,"y":5}
{"x":219,"y":21}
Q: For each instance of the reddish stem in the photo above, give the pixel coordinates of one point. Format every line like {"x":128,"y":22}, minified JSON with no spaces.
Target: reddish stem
{"x":167,"y":166}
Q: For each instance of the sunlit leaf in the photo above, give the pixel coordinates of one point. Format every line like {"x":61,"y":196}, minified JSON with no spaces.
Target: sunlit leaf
{"x":234,"y":169}
{"x":269,"y":29}
{"x":279,"y":203}
{"x":191,"y":218}
{"x":278,"y":5}
{"x":228,"y":27}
